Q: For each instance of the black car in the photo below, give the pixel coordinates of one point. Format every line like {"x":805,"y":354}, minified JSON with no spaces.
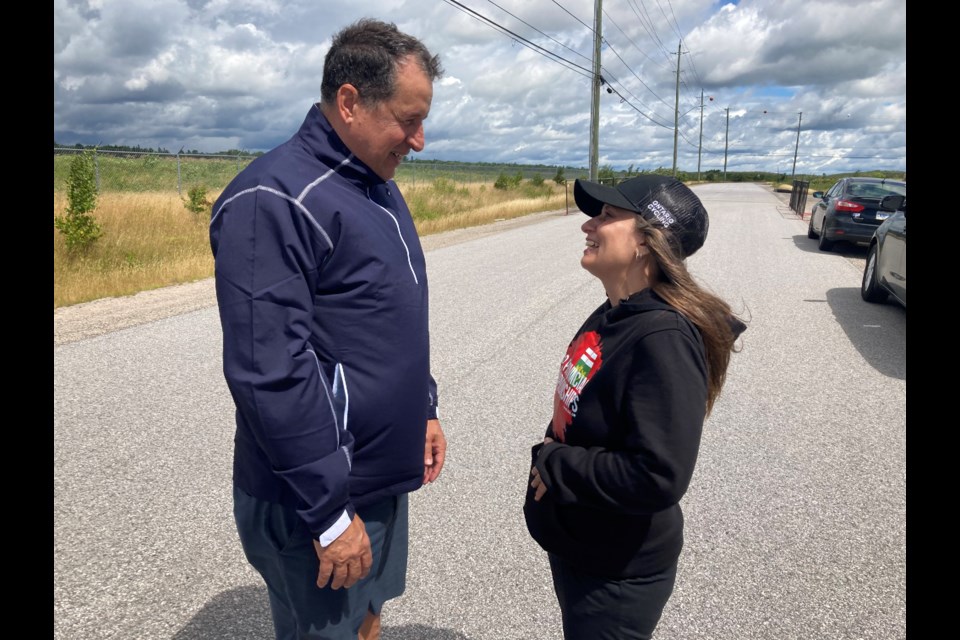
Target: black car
{"x":885,"y":272}
{"x":850,"y":210}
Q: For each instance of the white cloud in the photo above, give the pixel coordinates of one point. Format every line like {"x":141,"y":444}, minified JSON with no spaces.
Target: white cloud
{"x":243,"y":73}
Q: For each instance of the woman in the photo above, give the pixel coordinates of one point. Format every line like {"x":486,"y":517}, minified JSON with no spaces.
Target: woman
{"x":636,"y":384}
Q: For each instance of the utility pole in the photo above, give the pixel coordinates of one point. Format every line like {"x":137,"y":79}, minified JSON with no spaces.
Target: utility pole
{"x":700,"y":147}
{"x":796,"y":148}
{"x":595,"y":101}
{"x":676,"y":112}
{"x":726,"y":139}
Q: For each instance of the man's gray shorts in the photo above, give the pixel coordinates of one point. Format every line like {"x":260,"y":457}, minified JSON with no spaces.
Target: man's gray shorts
{"x":279,"y":546}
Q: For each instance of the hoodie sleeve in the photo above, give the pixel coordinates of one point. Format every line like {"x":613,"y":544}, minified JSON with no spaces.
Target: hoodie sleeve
{"x":267,"y":250}
{"x":660,"y":405}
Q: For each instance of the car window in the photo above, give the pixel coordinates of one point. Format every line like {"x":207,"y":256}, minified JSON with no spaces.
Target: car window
{"x":865,"y":190}
{"x":874,"y":189}
{"x":857,"y":189}
{"x":893,"y":189}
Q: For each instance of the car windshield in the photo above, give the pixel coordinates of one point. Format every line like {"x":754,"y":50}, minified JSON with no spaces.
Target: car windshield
{"x":875,"y":189}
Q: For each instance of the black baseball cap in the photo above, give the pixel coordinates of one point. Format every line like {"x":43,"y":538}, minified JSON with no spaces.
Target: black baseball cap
{"x":662,"y":201}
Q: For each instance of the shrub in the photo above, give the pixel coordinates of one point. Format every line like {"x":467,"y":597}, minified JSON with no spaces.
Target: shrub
{"x":606,"y":174}
{"x":444,"y":185}
{"x":197,"y":199}
{"x":536,"y":180}
{"x":508,"y":182}
{"x":559,"y":179}
{"x":449,"y":188}
{"x":79,"y":228}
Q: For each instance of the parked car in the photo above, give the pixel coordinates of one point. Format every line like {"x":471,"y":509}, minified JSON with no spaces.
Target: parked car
{"x":850,"y":210}
{"x":885,"y":272}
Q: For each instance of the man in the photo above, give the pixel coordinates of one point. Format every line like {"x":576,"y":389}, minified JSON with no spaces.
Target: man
{"x":322,"y":290}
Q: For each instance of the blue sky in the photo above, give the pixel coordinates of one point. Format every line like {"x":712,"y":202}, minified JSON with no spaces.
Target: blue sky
{"x":213,"y":75}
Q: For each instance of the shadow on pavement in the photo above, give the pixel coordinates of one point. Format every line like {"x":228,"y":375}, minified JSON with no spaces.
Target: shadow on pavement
{"x":244,"y":614}
{"x":419,"y":632}
{"x":238,"y":614}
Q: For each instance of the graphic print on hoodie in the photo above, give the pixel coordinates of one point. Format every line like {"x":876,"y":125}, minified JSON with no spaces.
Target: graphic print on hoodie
{"x":582,"y":361}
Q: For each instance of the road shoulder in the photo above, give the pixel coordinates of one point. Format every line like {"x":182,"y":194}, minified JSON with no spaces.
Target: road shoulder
{"x":91,"y":319}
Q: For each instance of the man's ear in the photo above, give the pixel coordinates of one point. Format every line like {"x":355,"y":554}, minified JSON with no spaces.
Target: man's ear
{"x":347,"y":100}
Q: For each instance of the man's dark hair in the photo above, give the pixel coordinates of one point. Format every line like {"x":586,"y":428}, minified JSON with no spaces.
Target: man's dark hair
{"x":365,"y":54}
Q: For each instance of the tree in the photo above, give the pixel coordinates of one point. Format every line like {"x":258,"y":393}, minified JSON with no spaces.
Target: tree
{"x":197,"y":201}
{"x":79,"y":228}
{"x":606,"y":174}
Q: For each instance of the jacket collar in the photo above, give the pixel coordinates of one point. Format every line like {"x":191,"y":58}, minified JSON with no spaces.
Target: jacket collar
{"x":318,"y":135}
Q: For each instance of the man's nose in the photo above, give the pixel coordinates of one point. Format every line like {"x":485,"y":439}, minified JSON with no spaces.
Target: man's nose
{"x":416,"y":140}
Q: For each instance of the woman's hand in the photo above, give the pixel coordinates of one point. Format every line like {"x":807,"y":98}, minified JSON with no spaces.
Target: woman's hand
{"x":537,"y":482}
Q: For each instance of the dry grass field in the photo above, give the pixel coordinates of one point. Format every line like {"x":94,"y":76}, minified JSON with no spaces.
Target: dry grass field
{"x":151,"y":240}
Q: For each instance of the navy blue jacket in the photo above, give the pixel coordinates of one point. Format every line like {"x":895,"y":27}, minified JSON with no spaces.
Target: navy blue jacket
{"x":322,"y":290}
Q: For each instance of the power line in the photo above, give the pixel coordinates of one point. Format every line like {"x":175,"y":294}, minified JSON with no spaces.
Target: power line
{"x":587,"y":73}
{"x":581,"y":70}
{"x":610,"y":89}
{"x":539,"y":49}
{"x":610,"y":46}
{"x":656,"y":62}
{"x":652,"y":31}
{"x":538,"y":30}
{"x":676,"y":27}
{"x":574,"y":17}
{"x":648,"y":26}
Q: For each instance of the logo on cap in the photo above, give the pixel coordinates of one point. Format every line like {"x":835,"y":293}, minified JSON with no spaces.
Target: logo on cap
{"x":661,"y":213}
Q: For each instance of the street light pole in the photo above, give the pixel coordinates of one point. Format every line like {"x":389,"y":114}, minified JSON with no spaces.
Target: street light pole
{"x":726,"y":140}
{"x":700,"y":147}
{"x":676,"y":113}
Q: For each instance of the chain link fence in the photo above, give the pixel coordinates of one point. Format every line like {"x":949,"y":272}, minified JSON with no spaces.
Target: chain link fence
{"x":180,"y":172}
{"x":141,"y":171}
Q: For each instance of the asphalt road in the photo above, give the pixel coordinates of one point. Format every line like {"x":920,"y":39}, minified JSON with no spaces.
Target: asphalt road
{"x":796,"y":517}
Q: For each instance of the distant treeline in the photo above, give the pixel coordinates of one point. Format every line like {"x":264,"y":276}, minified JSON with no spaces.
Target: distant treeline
{"x":138,"y":149}
{"x":151,"y":171}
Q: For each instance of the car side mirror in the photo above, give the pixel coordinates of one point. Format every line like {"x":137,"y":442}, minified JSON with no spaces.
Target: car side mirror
{"x":893,"y":203}
{"x":818,"y":194}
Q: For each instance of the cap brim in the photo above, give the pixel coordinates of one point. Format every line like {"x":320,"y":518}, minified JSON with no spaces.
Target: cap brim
{"x":590,"y":197}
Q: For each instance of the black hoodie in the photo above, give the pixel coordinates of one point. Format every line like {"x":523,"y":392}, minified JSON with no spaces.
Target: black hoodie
{"x":628,"y":415}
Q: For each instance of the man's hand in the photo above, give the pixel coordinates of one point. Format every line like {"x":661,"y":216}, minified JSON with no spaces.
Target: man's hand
{"x":434,"y":451}
{"x":347,"y":559}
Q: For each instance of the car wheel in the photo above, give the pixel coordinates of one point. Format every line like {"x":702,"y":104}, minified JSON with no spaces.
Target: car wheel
{"x":810,"y":232}
{"x":870,"y":289}
{"x":824,"y":244}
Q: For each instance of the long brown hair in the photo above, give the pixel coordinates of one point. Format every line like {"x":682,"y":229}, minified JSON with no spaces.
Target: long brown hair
{"x":707,"y":311}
